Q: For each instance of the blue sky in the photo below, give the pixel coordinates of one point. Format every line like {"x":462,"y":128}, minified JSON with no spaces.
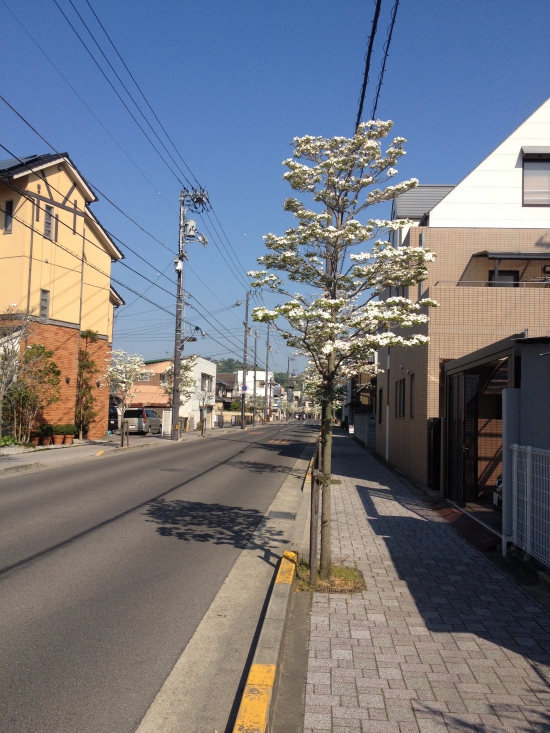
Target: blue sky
{"x":233,"y":83}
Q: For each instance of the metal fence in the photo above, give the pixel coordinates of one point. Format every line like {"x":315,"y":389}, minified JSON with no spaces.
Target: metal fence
{"x":531,"y":500}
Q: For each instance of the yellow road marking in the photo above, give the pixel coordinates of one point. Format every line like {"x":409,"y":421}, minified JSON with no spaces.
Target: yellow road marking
{"x":287,"y":568}
{"x":101,"y":452}
{"x":254,"y":708}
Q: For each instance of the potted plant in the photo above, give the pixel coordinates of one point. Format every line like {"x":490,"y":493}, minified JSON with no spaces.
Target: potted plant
{"x":58,"y":434}
{"x":35,"y":437}
{"x":70,"y":432}
{"x":46,"y":432}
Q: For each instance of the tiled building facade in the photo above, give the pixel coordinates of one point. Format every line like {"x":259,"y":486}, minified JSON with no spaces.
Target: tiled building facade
{"x":491,"y":279}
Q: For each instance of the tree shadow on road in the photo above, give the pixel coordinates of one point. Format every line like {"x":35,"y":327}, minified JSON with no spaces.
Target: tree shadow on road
{"x":219,"y":524}
{"x":257,"y":467}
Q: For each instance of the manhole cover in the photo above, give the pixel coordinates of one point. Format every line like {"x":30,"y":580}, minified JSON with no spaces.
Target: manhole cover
{"x":282,"y":515}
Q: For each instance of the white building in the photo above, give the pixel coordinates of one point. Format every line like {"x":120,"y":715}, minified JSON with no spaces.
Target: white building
{"x":204,"y":396}
{"x":260,"y":381}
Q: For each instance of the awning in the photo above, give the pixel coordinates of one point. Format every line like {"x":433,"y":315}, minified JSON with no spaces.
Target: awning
{"x":513,"y":255}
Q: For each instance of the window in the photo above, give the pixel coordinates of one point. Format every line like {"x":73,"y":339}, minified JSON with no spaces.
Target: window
{"x":44,"y":306}
{"x":505,"y":279}
{"x":144,"y":377}
{"x":411,"y":397}
{"x":133,"y":413}
{"x":206,"y":383}
{"x":8,"y":217}
{"x":380,"y":405}
{"x":536,"y":182}
{"x":400,"y":398}
{"x":48,"y":220}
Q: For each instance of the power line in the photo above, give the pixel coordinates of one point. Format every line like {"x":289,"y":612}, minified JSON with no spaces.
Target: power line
{"x":29,"y":198}
{"x":124,"y":285}
{"x":142,"y":94}
{"x":386,"y":52}
{"x":139,"y":110}
{"x":155,"y":188}
{"x":367,"y":62}
{"x":109,"y":200}
{"x":96,"y":62}
{"x":33,"y":39}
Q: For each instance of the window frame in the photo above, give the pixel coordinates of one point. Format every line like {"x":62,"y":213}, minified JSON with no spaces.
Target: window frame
{"x":532,"y":159}
{"x":400,"y":392}
{"x":44,"y":317}
{"x":48,"y":222}
{"x":8,"y":217}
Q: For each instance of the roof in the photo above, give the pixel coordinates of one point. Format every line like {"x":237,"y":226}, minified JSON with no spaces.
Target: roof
{"x":229,"y":379}
{"x":14,"y":163}
{"x":416,"y":202}
{"x":18,"y":167}
{"x":157,"y":361}
{"x":116,"y":298}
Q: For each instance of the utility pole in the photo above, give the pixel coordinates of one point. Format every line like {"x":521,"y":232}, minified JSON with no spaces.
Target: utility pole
{"x":178,"y":266}
{"x":255,"y":370}
{"x":197,"y":200}
{"x":266,"y":408}
{"x":245,"y":357}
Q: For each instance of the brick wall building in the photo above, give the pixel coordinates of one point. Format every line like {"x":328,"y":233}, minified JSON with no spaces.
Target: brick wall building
{"x":56,"y":265}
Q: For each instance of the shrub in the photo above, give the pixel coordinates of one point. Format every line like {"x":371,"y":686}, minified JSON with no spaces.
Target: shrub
{"x":71,"y":429}
{"x":59,"y":429}
{"x":46,"y":429}
{"x":7,"y":440}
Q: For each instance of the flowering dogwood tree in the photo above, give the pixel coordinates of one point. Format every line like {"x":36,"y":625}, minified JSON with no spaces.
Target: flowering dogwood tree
{"x":187,"y":380}
{"x":123,"y":371}
{"x":341,"y":319}
{"x":14,"y":329}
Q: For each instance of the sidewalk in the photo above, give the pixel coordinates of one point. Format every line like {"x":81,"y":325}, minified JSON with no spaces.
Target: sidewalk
{"x":441,"y":640}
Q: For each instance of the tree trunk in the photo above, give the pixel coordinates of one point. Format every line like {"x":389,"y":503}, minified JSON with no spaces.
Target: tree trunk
{"x":1,"y":412}
{"x":326,"y":440}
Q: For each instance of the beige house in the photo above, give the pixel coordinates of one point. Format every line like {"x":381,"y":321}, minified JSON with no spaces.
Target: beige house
{"x":491,"y":278}
{"x":56,"y":264}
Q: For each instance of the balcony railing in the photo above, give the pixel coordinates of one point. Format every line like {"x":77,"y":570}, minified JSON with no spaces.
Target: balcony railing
{"x":541,"y":283}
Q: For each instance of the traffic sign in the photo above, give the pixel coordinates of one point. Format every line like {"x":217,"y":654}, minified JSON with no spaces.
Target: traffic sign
{"x":244,"y":388}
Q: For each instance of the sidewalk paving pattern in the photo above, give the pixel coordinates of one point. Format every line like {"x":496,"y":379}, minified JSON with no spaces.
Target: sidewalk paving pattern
{"x":441,"y":640}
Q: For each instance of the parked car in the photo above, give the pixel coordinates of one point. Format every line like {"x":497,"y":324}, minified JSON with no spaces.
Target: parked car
{"x":143,"y":420}
{"x":113,"y":419}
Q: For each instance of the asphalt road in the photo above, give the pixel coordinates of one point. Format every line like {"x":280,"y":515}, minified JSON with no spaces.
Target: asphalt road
{"x":107,"y":567}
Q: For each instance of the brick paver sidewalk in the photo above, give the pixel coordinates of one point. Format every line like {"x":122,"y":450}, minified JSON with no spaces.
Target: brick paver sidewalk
{"x":441,"y":640}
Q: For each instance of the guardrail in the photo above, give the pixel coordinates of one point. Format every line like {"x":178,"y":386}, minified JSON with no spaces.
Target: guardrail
{"x":492,"y":284}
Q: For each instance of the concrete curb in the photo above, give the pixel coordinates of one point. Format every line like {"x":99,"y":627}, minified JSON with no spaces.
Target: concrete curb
{"x":259,"y":694}
{"x":20,"y":467}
